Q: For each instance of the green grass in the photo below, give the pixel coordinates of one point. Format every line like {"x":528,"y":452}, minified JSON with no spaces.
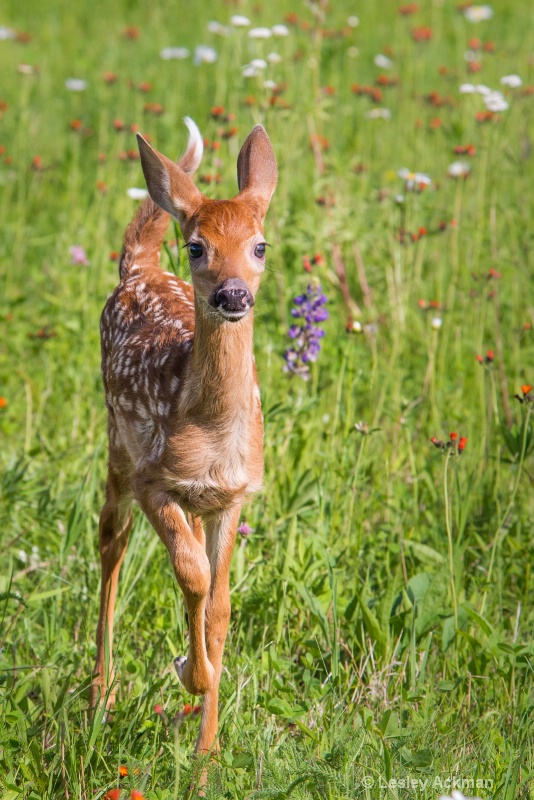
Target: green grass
{"x":381,"y":634}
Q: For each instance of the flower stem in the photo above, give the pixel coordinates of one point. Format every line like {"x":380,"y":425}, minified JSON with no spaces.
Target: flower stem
{"x":449,"y":538}
{"x":499,"y":533}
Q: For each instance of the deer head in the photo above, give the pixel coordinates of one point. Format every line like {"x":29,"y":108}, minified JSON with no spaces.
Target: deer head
{"x":224,"y":238}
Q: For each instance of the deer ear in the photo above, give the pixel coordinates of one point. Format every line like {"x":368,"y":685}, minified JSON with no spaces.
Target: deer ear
{"x":168,"y":185}
{"x":257,"y":173}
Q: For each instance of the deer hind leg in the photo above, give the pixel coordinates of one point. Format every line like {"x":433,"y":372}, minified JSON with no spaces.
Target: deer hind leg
{"x":192,"y":570}
{"x":114,"y":529}
{"x":220,"y":539}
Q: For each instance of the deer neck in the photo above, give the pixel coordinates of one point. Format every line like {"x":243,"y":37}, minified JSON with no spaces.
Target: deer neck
{"x":221,"y":371}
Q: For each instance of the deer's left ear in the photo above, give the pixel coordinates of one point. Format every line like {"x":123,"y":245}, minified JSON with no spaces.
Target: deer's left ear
{"x":257,"y":173}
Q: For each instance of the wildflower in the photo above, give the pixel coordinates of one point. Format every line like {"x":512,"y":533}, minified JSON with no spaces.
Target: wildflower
{"x":258,"y":63}
{"x":320,"y":142}
{"x":493,"y":274}
{"x":527,"y":397}
{"x":362,"y":427}
{"x":27,"y":69}
{"x":110,"y":77}
{"x":76,"y":85}
{"x":465,"y":150}
{"x":513,"y":81}
{"x":474,"y":66}
{"x":408,"y":9}
{"x":353,"y":21}
{"x":135,"y":795}
{"x":76,"y":124}
{"x":123,"y":771}
{"x":131,"y":32}
{"x":291,"y":18}
{"x":495,"y":102}
{"x":489,"y":358}
{"x":239,"y":21}
{"x":172,"y":53}
{"x":474,"y":88}
{"x":137,"y":194}
{"x":471,"y":55}
{"x":3,"y":402}
{"x":149,"y":108}
{"x":102,"y":187}
{"x":459,"y":169}
{"x":309,"y":307}
{"x":354,"y":327}
{"x":204,"y":55}
{"x":436,"y":323}
{"x":280,"y":30}
{"x":216,"y":27}
{"x":478,"y":13}
{"x":158,"y":709}
{"x":378,"y":113}
{"x":7,"y":33}
{"x":113,"y":794}
{"x":456,"y":444}
{"x":485,"y":116}
{"x":260,"y":33}
{"x":422,"y":34}
{"x":274,"y":58}
{"x":78,"y":255}
{"x":383,"y":61}
{"x":244,"y":529}
{"x":414,"y":180}
{"x":187,"y":711}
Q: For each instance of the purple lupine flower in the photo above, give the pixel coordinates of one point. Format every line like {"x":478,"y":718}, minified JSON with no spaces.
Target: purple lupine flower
{"x":306,"y":336}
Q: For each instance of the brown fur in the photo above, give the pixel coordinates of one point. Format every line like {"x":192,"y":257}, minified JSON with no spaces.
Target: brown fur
{"x":185,"y":423}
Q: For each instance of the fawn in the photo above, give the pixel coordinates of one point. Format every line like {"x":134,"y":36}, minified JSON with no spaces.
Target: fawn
{"x":185,"y":424}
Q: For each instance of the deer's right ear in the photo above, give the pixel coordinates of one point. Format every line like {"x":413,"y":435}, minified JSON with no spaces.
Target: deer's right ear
{"x":168,"y":185}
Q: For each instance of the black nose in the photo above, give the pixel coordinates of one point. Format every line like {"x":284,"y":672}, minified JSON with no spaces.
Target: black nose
{"x":233,"y":296}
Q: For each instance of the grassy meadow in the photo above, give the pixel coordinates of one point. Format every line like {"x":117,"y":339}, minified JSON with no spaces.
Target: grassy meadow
{"x":382,"y":606}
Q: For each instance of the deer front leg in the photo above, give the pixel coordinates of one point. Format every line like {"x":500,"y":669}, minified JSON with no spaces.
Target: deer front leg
{"x":220,"y":539}
{"x":192,"y":570}
{"x":114,"y":529}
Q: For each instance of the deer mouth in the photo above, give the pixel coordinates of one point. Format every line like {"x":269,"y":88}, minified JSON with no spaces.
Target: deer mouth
{"x":232,"y":299}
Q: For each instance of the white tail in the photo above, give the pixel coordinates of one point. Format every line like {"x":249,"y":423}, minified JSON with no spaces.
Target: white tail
{"x":185,"y":424}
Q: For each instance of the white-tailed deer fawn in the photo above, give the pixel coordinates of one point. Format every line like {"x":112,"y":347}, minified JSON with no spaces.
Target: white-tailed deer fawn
{"x":185,"y":423}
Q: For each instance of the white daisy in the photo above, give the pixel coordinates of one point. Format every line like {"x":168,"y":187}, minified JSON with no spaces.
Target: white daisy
{"x":205,"y":55}
{"x":239,"y":21}
{"x":383,"y":61}
{"x":459,"y":169}
{"x":513,"y":81}
{"x":478,"y":13}
{"x":495,"y":102}
{"x":169,"y":53}
{"x":260,"y":33}
{"x":280,"y":30}
{"x":76,"y":85}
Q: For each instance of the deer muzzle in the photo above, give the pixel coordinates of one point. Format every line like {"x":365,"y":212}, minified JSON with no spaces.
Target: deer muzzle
{"x":233,"y":299}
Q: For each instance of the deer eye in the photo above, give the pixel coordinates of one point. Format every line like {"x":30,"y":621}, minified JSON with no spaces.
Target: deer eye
{"x":195,"y":250}
{"x":259,"y":250}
